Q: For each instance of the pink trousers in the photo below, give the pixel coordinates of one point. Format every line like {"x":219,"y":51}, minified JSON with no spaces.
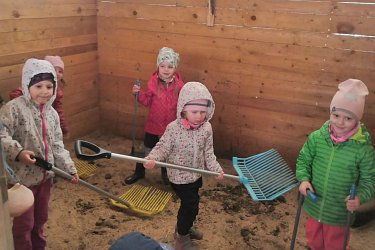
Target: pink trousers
{"x":28,"y":228}
{"x":321,"y":236}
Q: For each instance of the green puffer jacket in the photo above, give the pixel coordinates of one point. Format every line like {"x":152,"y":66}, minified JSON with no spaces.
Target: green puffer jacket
{"x":332,"y":169}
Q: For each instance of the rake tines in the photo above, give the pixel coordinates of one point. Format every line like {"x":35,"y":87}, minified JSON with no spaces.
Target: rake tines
{"x":268,"y":175}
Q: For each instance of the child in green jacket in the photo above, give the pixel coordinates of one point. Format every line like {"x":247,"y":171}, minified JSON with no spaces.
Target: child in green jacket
{"x":334,"y":157}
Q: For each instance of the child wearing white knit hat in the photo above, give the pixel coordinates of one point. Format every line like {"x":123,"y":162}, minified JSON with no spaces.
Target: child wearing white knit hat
{"x":160,"y":96}
{"x":333,"y":158}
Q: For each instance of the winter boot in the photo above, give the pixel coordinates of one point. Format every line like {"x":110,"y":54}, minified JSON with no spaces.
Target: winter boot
{"x":183,"y":242}
{"x":195,"y":234}
{"x":139,"y":173}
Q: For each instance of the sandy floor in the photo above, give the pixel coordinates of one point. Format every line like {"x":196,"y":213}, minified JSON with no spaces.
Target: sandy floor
{"x":82,"y":219}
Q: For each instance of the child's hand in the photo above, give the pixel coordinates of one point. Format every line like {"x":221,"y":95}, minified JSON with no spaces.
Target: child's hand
{"x":305,"y":185}
{"x":75,"y":179}
{"x":220,"y":177}
{"x":136,"y":89}
{"x":352,"y":205}
{"x":149,"y":164}
{"x":27,"y":157}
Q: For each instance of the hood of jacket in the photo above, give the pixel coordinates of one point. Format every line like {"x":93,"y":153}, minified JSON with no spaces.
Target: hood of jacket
{"x":33,"y":67}
{"x":193,"y":91}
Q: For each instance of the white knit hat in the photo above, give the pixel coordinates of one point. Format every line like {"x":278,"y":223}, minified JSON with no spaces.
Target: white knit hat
{"x":350,"y":98}
{"x":169,"y":55}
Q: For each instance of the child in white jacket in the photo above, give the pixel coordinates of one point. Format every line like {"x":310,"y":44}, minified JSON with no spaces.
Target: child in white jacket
{"x":32,"y":129}
{"x":188,"y":141}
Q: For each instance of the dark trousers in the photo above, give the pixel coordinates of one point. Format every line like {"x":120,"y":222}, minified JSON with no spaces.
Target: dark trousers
{"x":149,"y":141}
{"x":189,"y":207}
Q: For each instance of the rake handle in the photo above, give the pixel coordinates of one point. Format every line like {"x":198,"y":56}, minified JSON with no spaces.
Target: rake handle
{"x":173,"y":166}
{"x":349,"y":217}
{"x":300,"y":199}
{"x":102,"y":153}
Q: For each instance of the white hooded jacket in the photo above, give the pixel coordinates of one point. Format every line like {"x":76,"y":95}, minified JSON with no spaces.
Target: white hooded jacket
{"x":22,"y":120}
{"x":188,"y":147}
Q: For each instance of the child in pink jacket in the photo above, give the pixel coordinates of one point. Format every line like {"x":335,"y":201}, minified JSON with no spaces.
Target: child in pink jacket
{"x":160,"y":97}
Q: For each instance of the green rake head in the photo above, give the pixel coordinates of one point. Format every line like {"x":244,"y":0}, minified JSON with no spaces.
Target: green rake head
{"x":144,"y":200}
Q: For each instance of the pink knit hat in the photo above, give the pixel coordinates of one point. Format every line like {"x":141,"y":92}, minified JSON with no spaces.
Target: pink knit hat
{"x":350,"y":98}
{"x":56,"y":61}
{"x":196,"y":105}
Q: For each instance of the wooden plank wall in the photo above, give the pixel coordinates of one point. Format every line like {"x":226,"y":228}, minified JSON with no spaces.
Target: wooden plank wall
{"x":54,"y":27}
{"x":271,"y":65}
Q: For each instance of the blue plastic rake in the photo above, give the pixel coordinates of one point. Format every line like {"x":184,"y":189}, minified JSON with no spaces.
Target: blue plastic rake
{"x":268,"y":175}
{"x":265,"y":176}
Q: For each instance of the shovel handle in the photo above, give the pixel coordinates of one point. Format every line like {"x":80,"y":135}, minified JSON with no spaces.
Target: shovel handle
{"x":99,"y":152}
{"x":138,"y":83}
{"x":102,"y":153}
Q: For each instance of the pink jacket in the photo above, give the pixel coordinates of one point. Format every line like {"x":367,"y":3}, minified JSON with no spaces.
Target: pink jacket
{"x":162,"y":103}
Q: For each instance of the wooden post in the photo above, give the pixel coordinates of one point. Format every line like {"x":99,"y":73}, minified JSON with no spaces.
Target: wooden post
{"x":211,"y":13}
{"x":6,"y":237}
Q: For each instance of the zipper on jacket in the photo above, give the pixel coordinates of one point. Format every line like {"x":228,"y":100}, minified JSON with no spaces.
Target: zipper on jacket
{"x":44,"y":138}
{"x":325,"y":182}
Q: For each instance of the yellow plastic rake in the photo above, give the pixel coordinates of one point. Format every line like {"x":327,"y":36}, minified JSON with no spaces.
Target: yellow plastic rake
{"x":84,"y":169}
{"x":142,"y":200}
{"x":145,"y":200}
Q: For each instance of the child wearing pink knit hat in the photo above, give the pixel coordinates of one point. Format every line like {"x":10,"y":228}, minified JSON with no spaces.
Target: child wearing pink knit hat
{"x":333,"y":158}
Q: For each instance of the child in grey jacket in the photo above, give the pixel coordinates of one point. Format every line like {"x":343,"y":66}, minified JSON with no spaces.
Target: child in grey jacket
{"x":188,"y":141}
{"x":32,"y":129}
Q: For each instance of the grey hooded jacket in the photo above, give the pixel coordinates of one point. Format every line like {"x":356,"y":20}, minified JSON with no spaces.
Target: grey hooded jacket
{"x":188,"y":147}
{"x":22,"y":130}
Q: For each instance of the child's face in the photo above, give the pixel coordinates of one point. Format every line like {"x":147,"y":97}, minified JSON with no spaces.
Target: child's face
{"x":166,"y":70}
{"x":341,"y":122}
{"x":59,"y":73}
{"x":196,"y":117}
{"x":41,"y":92}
